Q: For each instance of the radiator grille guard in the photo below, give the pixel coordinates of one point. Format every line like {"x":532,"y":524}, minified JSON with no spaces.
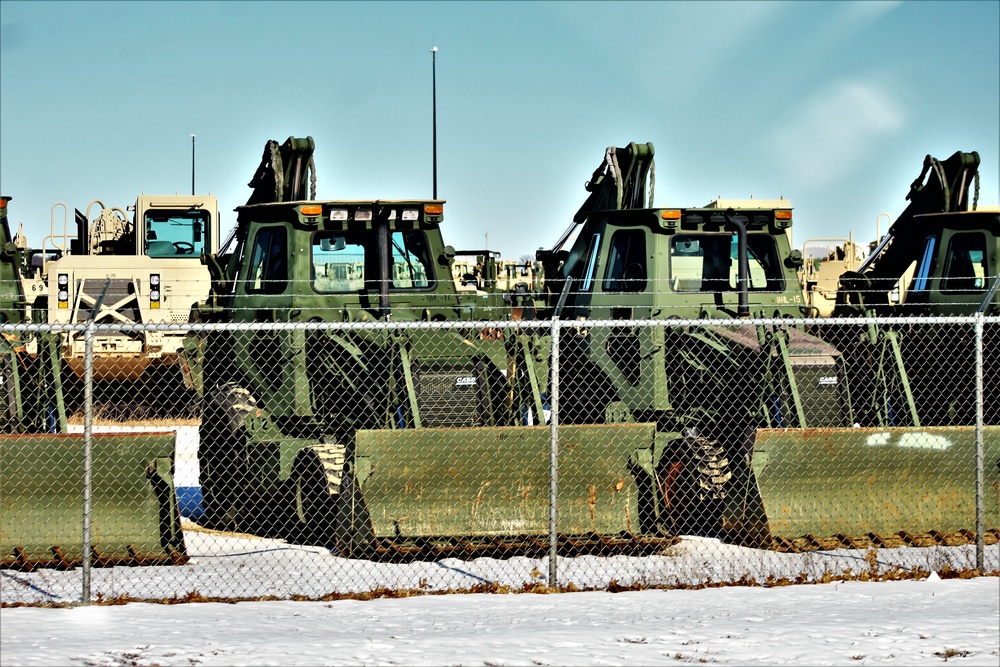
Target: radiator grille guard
{"x":449,"y":394}
{"x":821,"y":387}
{"x":120,"y":299}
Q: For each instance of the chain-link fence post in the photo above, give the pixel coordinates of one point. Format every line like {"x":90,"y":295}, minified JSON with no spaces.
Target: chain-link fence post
{"x":554,"y":454}
{"x":88,"y":432}
{"x":980,"y":510}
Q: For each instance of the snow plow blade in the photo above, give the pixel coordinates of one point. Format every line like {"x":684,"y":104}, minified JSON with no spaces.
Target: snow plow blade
{"x":134,"y":517}
{"x":495,"y":480}
{"x":863,"y":482}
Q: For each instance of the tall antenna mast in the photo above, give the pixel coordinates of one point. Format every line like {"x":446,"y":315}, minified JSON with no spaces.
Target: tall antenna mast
{"x":434,"y":51}
{"x":192,"y":164}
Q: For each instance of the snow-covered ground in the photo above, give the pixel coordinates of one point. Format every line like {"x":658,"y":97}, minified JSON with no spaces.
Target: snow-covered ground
{"x":928,"y":622}
{"x":917,"y":621}
{"x":229,"y":566}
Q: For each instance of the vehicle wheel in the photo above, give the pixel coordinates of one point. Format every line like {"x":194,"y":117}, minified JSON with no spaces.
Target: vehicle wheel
{"x":711,"y":467}
{"x":315,"y":518}
{"x":328,"y":513}
{"x":355,"y":532}
{"x":693,"y":487}
{"x":9,"y":422}
{"x":221,"y":457}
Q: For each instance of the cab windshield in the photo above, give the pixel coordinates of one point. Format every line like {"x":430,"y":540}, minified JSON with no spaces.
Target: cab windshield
{"x":176,"y":233}
{"x":349,"y":261}
{"x":709,"y":262}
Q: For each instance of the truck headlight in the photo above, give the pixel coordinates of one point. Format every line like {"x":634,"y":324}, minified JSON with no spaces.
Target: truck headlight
{"x":154,"y":290}
{"x":63,"y":295}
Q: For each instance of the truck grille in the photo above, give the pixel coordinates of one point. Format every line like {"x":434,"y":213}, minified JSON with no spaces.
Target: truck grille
{"x":118,"y":294}
{"x":821,"y":387}
{"x":449,"y":394}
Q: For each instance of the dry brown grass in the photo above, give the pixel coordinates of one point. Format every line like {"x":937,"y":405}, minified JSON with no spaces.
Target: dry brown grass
{"x":536,"y":588}
{"x":77,"y":420}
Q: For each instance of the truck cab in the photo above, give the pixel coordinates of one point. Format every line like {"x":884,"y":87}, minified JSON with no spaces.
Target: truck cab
{"x":941,"y":255}
{"x":954,"y":262}
{"x":345,"y":261}
{"x":651,"y":263}
{"x":731,"y":260}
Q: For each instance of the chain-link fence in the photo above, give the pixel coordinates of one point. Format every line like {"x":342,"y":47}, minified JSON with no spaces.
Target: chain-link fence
{"x":303,"y":460}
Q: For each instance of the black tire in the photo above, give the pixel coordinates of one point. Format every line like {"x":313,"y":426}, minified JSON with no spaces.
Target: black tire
{"x":711,"y":466}
{"x":693,"y":486}
{"x":314,"y":519}
{"x":9,"y":421}
{"x":222,"y":457}
{"x":335,"y":520}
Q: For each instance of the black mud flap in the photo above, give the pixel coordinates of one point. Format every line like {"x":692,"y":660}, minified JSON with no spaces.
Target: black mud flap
{"x":355,"y":534}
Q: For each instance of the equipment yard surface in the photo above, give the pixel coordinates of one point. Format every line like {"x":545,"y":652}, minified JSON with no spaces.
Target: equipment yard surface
{"x":917,"y":622}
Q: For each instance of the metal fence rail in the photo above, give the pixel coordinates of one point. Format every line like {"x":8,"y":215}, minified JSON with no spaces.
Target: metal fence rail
{"x":311,"y":459}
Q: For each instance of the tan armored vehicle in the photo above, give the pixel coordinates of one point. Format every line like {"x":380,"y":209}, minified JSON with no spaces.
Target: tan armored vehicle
{"x":825,"y":261}
{"x":121,"y":269}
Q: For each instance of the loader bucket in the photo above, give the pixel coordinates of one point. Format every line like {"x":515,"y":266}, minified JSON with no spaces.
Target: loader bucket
{"x":495,"y":480}
{"x":864,"y":481}
{"x":134,"y":517}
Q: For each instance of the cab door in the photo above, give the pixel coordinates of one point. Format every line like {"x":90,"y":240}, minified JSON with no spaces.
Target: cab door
{"x":967,"y":261}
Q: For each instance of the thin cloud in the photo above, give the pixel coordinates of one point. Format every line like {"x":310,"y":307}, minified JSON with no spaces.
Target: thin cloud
{"x":823,"y":138}
{"x":867,"y":10}
{"x":668,"y":39}
{"x":845,"y":21}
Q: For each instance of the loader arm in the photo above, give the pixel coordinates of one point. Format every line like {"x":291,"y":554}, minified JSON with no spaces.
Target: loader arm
{"x":619,"y":182}
{"x":946,"y":190}
{"x":284,"y":172}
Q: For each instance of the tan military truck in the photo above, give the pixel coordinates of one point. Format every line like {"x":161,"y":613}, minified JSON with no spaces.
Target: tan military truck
{"x":826,"y":259}
{"x":122,"y":269}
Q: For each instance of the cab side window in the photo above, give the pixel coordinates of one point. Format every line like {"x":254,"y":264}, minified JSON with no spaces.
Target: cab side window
{"x":965,"y":264}
{"x":626,"y":270}
{"x":410,"y":260}
{"x":268,"y":271}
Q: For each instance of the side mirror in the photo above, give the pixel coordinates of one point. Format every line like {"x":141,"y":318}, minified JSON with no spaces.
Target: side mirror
{"x":794,"y":259}
{"x":447,"y":255}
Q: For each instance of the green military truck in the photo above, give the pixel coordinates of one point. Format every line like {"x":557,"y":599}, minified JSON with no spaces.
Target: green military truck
{"x":940,"y":257}
{"x":771,"y":430}
{"x":426,"y":429}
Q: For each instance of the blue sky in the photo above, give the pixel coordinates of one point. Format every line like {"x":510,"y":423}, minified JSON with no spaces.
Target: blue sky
{"x":832,"y":105}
